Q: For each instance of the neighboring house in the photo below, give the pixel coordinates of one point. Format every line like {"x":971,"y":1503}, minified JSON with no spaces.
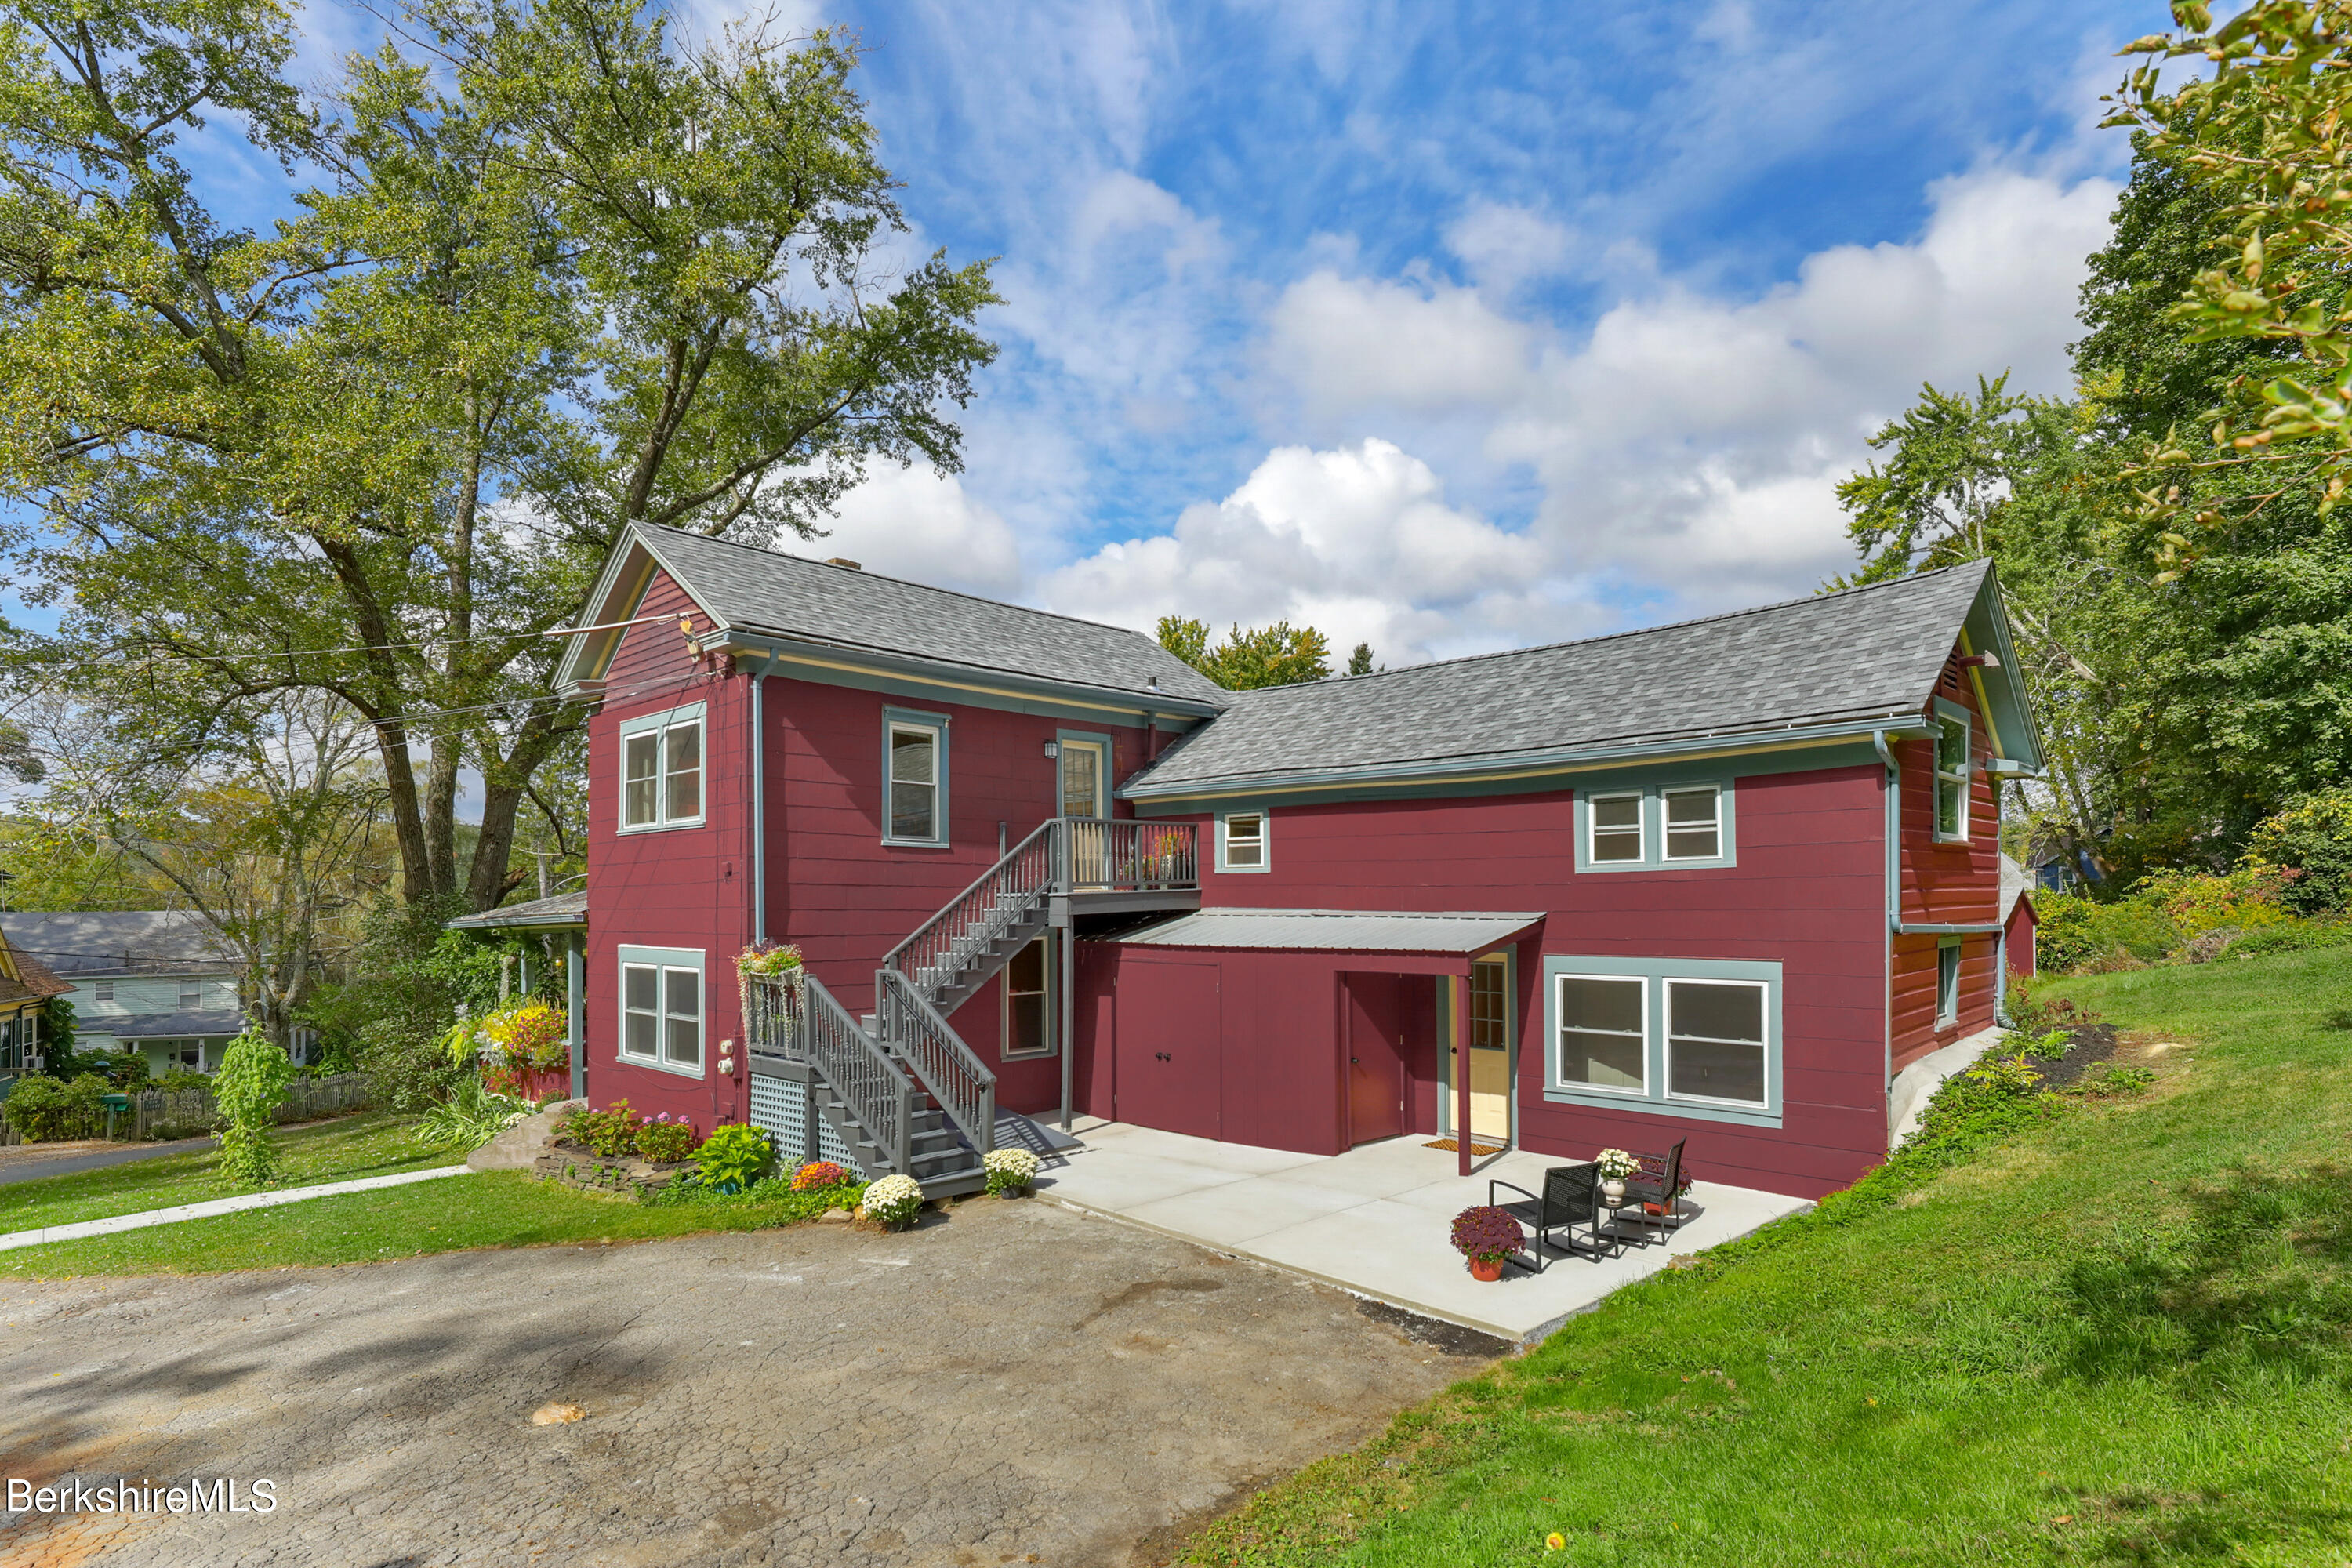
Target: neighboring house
{"x":26,"y":987}
{"x":1721,"y":880}
{"x":156,"y":981}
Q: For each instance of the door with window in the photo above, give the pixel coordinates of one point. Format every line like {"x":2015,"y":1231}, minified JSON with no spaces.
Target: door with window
{"x":1084,"y":771}
{"x":1490,"y":1082}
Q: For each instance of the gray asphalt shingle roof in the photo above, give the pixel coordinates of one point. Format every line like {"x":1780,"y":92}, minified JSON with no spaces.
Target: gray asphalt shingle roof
{"x":759,"y":590}
{"x":1864,"y":653}
{"x":131,"y":942}
{"x":557,"y":909}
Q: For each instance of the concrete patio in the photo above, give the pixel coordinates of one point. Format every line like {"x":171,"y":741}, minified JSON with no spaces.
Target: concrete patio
{"x":1373,"y":1221}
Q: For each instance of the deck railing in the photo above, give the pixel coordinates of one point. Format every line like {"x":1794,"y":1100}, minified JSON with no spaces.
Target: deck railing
{"x":796,"y":1018}
{"x":942,"y":947}
{"x":1104,"y":855}
{"x":957,"y":1079}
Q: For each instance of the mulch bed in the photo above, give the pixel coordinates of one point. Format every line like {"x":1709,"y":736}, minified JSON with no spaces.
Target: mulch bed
{"x":2094,"y":1043}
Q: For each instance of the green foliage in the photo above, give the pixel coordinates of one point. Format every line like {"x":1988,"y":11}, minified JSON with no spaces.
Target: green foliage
{"x":1359,"y":662}
{"x":612,"y":1131}
{"x":735,"y":1156}
{"x":1951,"y":461}
{"x":2008,"y":1075}
{"x":247,"y":1092}
{"x":2035,"y":1007}
{"x":2105,"y":1080}
{"x":468,"y":1119}
{"x":663,"y":1142}
{"x":1279,"y":654}
{"x":45,"y":1111}
{"x":59,"y":1027}
{"x":2310,"y":840}
{"x":415,"y":975}
{"x":2075,"y":931}
{"x":2302,"y":936}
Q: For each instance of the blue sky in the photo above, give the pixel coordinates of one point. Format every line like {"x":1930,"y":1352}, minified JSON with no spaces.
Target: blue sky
{"x":1458,"y":327}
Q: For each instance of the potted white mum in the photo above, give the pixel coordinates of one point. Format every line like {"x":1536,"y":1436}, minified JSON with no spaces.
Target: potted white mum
{"x":893,"y":1201}
{"x":1011,"y":1171}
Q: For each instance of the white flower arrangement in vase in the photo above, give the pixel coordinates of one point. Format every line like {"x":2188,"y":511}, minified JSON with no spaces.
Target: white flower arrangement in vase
{"x":894,"y":1201}
{"x":1010,"y":1171}
{"x":1615,"y":1165}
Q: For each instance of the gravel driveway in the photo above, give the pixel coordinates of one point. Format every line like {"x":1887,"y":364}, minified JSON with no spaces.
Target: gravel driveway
{"x":1014,"y":1383}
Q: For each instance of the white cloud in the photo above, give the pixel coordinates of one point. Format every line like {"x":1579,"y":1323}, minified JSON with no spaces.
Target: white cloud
{"x":1357,"y":542}
{"x":1360,"y":344}
{"x":1505,"y":245}
{"x":921,"y":524}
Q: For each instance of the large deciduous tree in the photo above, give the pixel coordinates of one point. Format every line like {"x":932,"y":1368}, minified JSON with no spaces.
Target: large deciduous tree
{"x":534,"y":273}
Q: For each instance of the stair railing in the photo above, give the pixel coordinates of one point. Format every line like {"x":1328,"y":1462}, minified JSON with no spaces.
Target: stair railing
{"x":957,"y":1079}
{"x":796,"y":1018}
{"x":942,"y":947}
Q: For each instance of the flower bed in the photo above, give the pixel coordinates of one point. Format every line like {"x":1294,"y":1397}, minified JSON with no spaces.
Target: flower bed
{"x":618,"y":1175}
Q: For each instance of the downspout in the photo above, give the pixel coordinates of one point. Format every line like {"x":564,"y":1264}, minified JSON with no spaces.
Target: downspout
{"x":760,"y":805}
{"x":1890,"y":784}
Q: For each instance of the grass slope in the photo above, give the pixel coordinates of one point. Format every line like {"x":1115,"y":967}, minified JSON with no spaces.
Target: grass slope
{"x":2117,"y":1333}
{"x":374,"y":1143}
{"x":495,"y":1208}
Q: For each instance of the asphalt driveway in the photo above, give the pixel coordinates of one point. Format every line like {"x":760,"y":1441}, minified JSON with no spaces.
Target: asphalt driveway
{"x":1014,"y":1383}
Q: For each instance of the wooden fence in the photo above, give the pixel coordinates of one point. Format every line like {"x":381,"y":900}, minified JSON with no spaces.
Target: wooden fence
{"x":186,"y":1112}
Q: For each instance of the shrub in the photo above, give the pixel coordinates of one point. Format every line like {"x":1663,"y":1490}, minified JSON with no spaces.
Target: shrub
{"x":179,"y":1080}
{"x":818,"y":1175}
{"x":2049,"y":1046}
{"x":2011,"y":1075}
{"x":468,"y":1119}
{"x":733,"y":1157}
{"x":247,"y":1092}
{"x":894,"y":1201}
{"x":663,"y":1142}
{"x":44,"y":1110}
{"x":2311,"y":840}
{"x":1484,"y":1233}
{"x":1010,"y":1169}
{"x":612,"y":1131}
{"x":2297,"y":936}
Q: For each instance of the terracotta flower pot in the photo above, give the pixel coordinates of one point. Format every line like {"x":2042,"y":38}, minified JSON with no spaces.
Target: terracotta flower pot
{"x":1487,"y":1269}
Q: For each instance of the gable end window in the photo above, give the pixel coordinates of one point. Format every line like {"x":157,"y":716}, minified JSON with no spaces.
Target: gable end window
{"x":1951,"y":772}
{"x":661,"y":770}
{"x":1616,"y":829}
{"x":1242,"y":842}
{"x":661,"y":1008}
{"x":914,"y":777}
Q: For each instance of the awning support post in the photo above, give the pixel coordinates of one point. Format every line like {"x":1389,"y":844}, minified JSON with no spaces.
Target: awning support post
{"x":576,"y":1006}
{"x":1461,"y":986}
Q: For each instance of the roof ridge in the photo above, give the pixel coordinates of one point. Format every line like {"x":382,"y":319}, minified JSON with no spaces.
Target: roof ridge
{"x":907,"y":583}
{"x":1914,"y":578}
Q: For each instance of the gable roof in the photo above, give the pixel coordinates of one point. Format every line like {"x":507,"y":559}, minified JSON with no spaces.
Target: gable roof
{"x":24,"y":977}
{"x":1836,"y":662}
{"x":117,"y":942}
{"x":765,"y":593}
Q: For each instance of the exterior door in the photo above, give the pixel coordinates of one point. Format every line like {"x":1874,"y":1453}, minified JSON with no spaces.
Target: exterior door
{"x":1374,"y":1034}
{"x":1168,"y":1062}
{"x":1085,"y":795}
{"x":1490,"y":1052}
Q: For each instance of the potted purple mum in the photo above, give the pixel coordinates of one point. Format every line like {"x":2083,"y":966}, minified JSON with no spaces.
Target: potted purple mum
{"x":1486,"y":1236}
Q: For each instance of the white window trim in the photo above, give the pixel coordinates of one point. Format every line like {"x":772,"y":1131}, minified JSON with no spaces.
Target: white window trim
{"x":1947,"y":1019}
{"x":1265,"y":842}
{"x":695,"y":713}
{"x":1004,"y":1013}
{"x":1666,"y":825}
{"x":1948,"y":709}
{"x":1552,"y":1044}
{"x":660,"y":958}
{"x":1666,"y":984}
{"x":1640,"y":828}
{"x":894,"y":720}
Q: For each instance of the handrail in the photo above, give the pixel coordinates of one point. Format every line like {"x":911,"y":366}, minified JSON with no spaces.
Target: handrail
{"x":957,"y":1079}
{"x":794,"y":1017}
{"x":941,"y":948}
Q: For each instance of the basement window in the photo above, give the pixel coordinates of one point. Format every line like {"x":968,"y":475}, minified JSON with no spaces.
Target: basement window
{"x":661,"y":770}
{"x":1687,"y":1037}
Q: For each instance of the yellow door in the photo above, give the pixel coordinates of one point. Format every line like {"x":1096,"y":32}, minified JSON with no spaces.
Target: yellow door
{"x":1490,"y":1051}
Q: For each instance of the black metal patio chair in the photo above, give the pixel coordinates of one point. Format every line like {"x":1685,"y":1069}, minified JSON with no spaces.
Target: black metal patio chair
{"x":1567,"y":1202}
{"x":1653,"y":1193}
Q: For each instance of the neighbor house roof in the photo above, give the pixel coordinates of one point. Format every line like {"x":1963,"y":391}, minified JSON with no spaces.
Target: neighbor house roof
{"x":2013,"y":886}
{"x":82,"y":944}
{"x":1850,"y":660}
{"x":24,"y":978}
{"x":1341,"y":931}
{"x":561,"y":909}
{"x":767,"y":594}
{"x":167,"y":1025}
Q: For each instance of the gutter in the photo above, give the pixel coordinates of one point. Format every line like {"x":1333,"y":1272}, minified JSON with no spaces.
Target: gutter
{"x":778,"y":649}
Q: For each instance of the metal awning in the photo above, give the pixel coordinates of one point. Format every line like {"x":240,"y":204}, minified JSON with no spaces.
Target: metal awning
{"x":1339,"y":930}
{"x":563,"y":910}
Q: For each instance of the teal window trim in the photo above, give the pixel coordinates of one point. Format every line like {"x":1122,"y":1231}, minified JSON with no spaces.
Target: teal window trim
{"x":1089,"y":738}
{"x":1654,"y":1098}
{"x":1653,"y":825}
{"x":659,"y":725}
{"x":1947,"y":710}
{"x":662,"y":961}
{"x":1264,"y":840}
{"x":897,"y":719}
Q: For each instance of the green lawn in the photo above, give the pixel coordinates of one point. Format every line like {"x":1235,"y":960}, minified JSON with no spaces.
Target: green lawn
{"x":374,"y":1143}
{"x":2118,"y":1335}
{"x":495,"y":1208}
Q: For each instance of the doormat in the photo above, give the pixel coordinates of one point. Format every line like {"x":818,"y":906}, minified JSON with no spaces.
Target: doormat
{"x":1450,"y":1144}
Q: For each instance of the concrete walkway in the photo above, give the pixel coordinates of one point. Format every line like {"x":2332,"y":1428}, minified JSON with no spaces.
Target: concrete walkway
{"x":34,"y":1170}
{"x":80,"y":1228}
{"x":1373,"y":1221}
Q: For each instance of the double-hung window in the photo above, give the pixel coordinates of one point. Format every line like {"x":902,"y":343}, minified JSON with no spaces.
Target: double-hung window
{"x":1241,"y":841}
{"x":102,"y":991}
{"x":1680,"y":1037}
{"x":1615,"y":829}
{"x":915,"y":777}
{"x":1951,"y":771}
{"x":661,"y":769}
{"x":661,"y":1008}
{"x":192,"y":995}
{"x":1664,"y":827}
{"x":1694,"y":823}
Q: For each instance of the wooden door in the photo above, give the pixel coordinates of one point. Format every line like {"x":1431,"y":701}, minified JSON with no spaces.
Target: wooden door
{"x":1169,"y":1058}
{"x":1085,"y":774}
{"x":1374,"y":1034}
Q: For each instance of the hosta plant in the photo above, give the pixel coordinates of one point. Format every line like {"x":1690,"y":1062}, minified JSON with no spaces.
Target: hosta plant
{"x":893,"y":1201}
{"x":1010,"y":1171}
{"x":664,"y":1141}
{"x":734,"y":1156}
{"x":818,"y":1175}
{"x":1484,"y":1233}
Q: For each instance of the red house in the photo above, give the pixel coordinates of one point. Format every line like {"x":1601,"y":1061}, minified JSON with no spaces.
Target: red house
{"x":1723,"y":881}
